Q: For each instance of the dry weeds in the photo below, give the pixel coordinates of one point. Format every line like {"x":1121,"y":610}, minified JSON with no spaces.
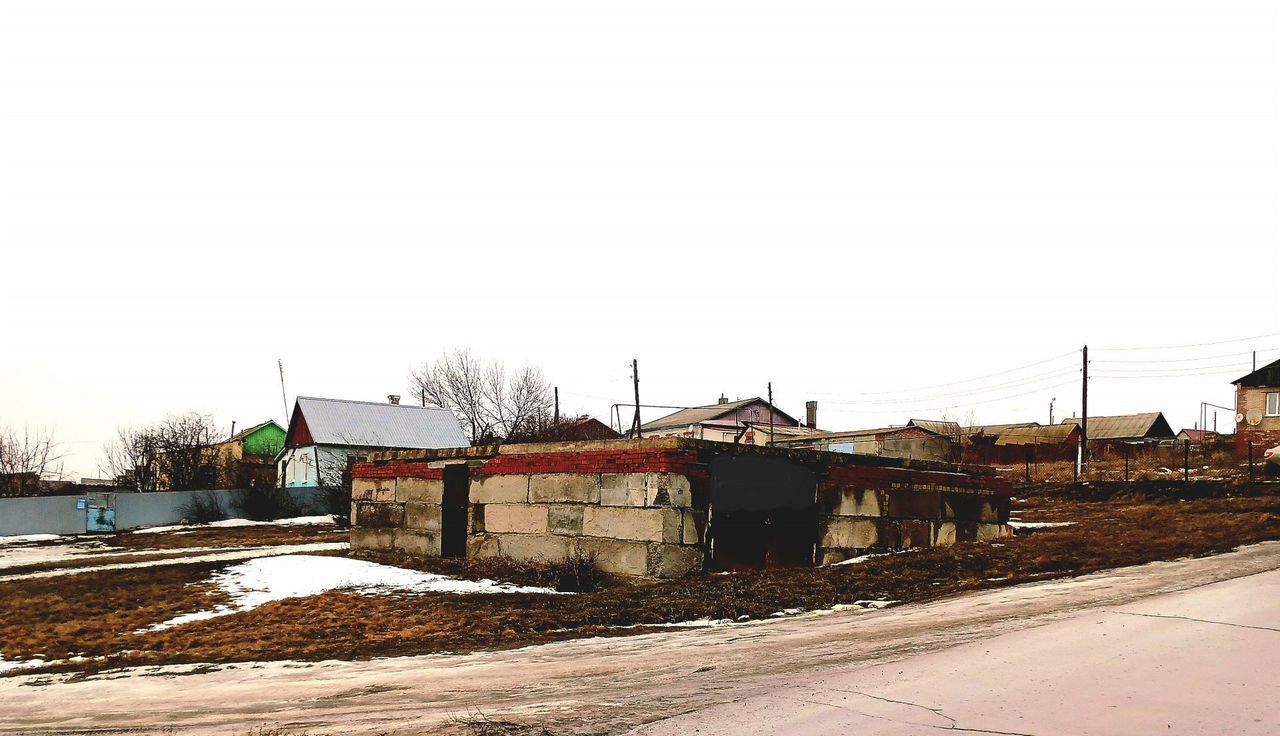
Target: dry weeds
{"x":95,"y":616}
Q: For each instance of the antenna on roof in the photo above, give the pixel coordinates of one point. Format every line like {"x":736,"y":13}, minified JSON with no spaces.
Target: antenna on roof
{"x":283,"y":399}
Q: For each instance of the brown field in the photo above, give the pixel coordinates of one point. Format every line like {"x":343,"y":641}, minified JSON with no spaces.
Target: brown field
{"x":1117,"y":524}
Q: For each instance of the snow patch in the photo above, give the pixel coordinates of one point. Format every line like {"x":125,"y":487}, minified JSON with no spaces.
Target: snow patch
{"x":13,"y":665}
{"x":863,"y":558}
{"x":29,"y":538}
{"x":1039,"y":524}
{"x":231,"y":523}
{"x":260,"y":581}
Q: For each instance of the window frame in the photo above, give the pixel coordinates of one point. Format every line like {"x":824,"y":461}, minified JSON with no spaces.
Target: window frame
{"x":1269,"y":398}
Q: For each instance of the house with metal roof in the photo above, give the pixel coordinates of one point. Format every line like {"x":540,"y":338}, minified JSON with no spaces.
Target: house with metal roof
{"x":1148,"y":427}
{"x":324,"y":433}
{"x":724,"y":421}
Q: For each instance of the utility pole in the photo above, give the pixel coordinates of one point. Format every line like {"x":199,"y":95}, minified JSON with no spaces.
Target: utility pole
{"x":283,"y":399}
{"x":1051,"y":410}
{"x":771,"y":413}
{"x":635,"y":379}
{"x":557,"y":414}
{"x":1084,"y":416}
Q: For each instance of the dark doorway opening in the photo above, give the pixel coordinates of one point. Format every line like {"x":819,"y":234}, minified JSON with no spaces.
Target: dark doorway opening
{"x":764,"y":513}
{"x":453,"y":512}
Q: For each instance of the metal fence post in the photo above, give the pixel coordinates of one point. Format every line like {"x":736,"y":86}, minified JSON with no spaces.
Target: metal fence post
{"x":1028,"y":461}
{"x":1186,"y":460}
{"x":1125,"y":448}
{"x":1250,"y":459}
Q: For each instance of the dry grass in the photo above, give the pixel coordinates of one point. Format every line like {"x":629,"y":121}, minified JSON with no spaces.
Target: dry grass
{"x":244,"y":536}
{"x":93,"y":616}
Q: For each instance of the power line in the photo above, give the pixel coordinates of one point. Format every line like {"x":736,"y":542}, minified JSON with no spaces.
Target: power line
{"x":1188,"y":360}
{"x":1195,"y":345}
{"x":967,"y":380}
{"x":965,"y":404}
{"x":952,"y":395}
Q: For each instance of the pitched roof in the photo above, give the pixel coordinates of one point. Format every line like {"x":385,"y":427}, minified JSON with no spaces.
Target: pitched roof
{"x":374,"y":424}
{"x":1127,"y":426}
{"x":700,"y":414}
{"x":1267,"y":375}
{"x":1037,"y":435}
{"x":995,"y":430}
{"x":246,"y":432}
{"x":937,"y":427}
{"x":1197,"y":435}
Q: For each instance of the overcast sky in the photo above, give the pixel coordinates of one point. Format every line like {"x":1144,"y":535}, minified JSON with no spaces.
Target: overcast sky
{"x":857,"y":201}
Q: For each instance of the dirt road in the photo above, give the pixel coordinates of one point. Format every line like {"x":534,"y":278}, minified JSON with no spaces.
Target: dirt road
{"x":1165,"y":647}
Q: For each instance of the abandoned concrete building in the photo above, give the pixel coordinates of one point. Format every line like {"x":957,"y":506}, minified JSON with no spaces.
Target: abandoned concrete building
{"x":666,"y":507}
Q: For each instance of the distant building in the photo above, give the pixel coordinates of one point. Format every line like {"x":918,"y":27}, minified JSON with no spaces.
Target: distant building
{"x":918,"y":440}
{"x":1149,"y":427}
{"x":724,"y":421}
{"x":582,"y":429}
{"x":247,"y":458}
{"x":1196,"y":435}
{"x":1258,"y":406}
{"x":324,"y":433}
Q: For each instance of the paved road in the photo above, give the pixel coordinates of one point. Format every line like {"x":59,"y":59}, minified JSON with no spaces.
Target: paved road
{"x":1186,"y":647}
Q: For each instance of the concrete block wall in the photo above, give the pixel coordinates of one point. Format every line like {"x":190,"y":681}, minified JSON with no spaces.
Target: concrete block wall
{"x":632,"y":506}
{"x":641,"y":506}
{"x":877,"y":509}
{"x":398,"y":507}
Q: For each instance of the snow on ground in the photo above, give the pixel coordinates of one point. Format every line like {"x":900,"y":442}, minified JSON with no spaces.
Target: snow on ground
{"x":29,"y":538}
{"x":863,"y":558}
{"x":7,"y":665}
{"x":258,"y":582}
{"x":190,"y":559}
{"x":231,"y":523}
{"x":1038,"y":524}
{"x":51,"y":553}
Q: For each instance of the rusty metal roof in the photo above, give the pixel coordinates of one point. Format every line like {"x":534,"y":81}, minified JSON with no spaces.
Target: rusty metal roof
{"x":995,"y":430}
{"x":950,"y":429}
{"x":1151,"y":425}
{"x":1037,"y":435}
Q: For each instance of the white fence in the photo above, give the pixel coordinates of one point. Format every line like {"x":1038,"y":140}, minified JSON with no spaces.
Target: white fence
{"x":67,"y":515}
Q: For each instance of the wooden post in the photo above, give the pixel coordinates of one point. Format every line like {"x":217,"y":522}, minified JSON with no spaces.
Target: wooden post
{"x":1186,"y":460}
{"x":1126,"y":462}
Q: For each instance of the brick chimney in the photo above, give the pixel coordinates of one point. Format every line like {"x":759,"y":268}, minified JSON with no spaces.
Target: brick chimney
{"x":723,"y":399}
{"x":811,"y":414}
{"x":394,"y":399}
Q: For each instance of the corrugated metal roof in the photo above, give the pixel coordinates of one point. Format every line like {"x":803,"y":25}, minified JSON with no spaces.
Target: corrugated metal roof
{"x":1036,"y":435}
{"x":1126,"y":427}
{"x":372,"y":424}
{"x":950,"y":429}
{"x":995,"y":430}
{"x":699,"y":414}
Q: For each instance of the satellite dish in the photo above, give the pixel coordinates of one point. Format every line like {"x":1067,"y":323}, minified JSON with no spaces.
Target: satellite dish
{"x":1239,"y":419}
{"x":1254,"y":417}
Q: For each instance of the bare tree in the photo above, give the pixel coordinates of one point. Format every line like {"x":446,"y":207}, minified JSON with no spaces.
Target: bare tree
{"x":188,"y":459}
{"x":176,"y":454}
{"x":28,"y":456}
{"x":491,"y":402}
{"x":132,"y":459}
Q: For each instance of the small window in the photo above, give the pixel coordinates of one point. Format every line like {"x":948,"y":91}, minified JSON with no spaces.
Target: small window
{"x":1273,"y":405}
